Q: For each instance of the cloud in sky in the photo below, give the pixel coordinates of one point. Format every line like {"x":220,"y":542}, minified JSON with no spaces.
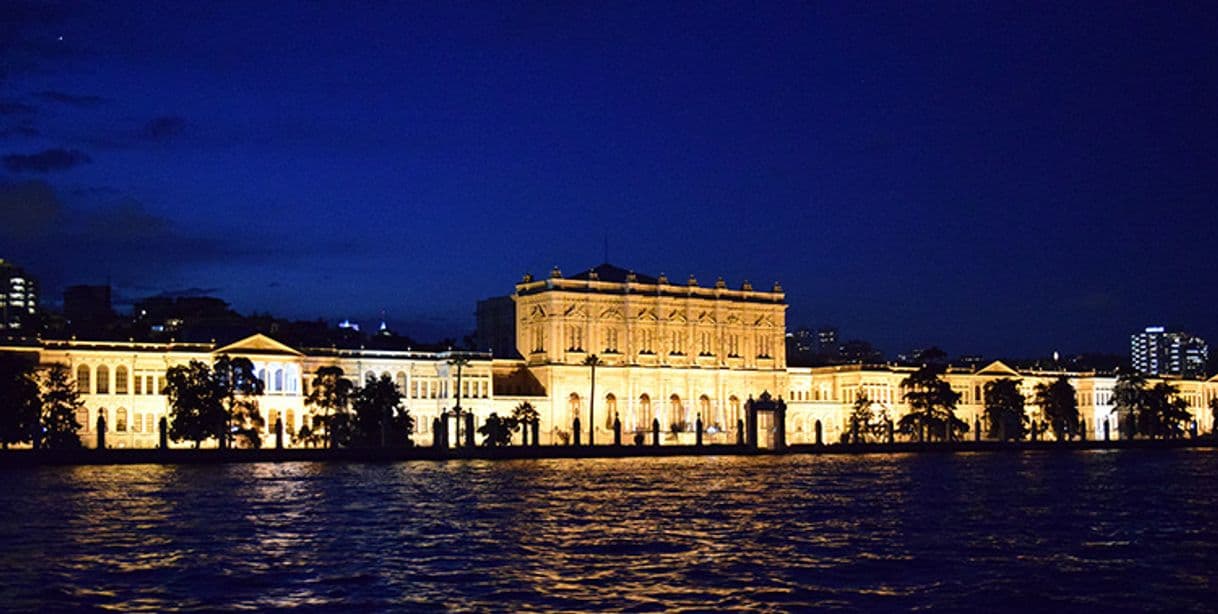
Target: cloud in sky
{"x":164,"y":128}
{"x":46,"y":161}
{"x":74,"y":100}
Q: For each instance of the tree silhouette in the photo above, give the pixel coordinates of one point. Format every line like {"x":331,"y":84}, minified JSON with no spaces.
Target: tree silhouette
{"x":236,"y":385}
{"x":497,"y":432}
{"x":1129,"y":403}
{"x":1214,"y":416}
{"x":932,"y":405}
{"x":328,"y":402}
{"x":380,"y":419}
{"x":870,"y":423}
{"x":60,"y":402}
{"x":1059,"y":407}
{"x":1004,"y":415}
{"x":524,"y":414}
{"x":1166,"y":413}
{"x":19,"y":400}
{"x":196,"y":411}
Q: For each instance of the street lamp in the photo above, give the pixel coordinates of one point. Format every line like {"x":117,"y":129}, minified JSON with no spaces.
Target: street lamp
{"x":458,"y":362}
{"x":592,"y":361}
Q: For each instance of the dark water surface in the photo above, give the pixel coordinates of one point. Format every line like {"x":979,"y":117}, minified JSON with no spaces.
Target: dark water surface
{"x":1115,"y":531}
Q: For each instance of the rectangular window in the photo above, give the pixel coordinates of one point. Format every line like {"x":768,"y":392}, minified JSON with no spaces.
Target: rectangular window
{"x":139,"y":384}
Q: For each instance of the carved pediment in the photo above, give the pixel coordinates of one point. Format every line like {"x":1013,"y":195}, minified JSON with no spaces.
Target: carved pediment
{"x":258,"y":344}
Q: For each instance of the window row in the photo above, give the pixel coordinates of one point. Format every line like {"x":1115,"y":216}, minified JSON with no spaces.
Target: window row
{"x":99,"y":381}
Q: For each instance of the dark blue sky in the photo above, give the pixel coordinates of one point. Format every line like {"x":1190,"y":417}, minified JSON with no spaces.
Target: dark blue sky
{"x":999,"y":180}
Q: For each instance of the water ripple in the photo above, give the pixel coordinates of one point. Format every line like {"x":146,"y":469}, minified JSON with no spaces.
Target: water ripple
{"x":1124,"y":531}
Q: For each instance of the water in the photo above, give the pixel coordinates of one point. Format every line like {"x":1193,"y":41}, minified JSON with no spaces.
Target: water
{"x":1112,"y":531}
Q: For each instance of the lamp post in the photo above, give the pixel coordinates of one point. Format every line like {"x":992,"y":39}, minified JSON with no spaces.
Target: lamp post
{"x":592,"y":361}
{"x":458,"y":362}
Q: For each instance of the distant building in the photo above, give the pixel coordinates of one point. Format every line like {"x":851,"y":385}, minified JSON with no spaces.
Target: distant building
{"x":1157,"y":351}
{"x":496,"y":332}
{"x":87,"y":308}
{"x":827,"y":346}
{"x":18,"y":299}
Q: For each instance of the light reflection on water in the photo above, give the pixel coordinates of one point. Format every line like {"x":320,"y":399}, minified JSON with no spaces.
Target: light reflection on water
{"x":1004,"y":531}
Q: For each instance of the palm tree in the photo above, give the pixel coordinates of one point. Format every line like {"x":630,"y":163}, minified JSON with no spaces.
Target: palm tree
{"x":592,"y":361}
{"x":1059,"y":406}
{"x":525,"y":414}
{"x":1004,"y":410}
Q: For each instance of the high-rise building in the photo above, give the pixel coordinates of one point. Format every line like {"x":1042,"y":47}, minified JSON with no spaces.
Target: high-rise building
{"x":1157,"y":351}
{"x":18,"y":299}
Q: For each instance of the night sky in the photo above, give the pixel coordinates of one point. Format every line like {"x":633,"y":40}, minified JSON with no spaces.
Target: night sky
{"x":996,"y":180}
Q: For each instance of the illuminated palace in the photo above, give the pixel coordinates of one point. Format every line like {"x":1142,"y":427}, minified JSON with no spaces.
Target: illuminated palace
{"x":668,"y":352}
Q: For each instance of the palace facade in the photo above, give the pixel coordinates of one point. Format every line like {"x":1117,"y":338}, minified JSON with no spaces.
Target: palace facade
{"x":672,"y":353}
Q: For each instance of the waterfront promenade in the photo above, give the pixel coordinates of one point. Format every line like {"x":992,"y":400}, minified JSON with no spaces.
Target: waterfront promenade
{"x":212,"y":455}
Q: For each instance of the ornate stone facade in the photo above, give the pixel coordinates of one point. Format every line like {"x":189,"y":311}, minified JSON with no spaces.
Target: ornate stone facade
{"x":668,"y":353}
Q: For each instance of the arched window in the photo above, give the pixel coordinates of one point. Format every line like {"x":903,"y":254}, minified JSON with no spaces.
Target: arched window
{"x":82,"y":379}
{"x":610,"y":410}
{"x":120,"y":380}
{"x":277,"y":385}
{"x":290,"y":427}
{"x":262,"y":375}
{"x":677,"y":411}
{"x":733,"y":406}
{"x":293,"y":379}
{"x":704,"y":408}
{"x":273,"y":418}
{"x":120,"y":420}
{"x":573,"y":408}
{"x":82,"y":418}
{"x":644,"y":413}
{"x":103,"y":380}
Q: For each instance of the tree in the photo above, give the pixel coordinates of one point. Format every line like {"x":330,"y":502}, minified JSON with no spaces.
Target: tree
{"x":19,"y":400}
{"x":1059,"y":407}
{"x":932,"y":405}
{"x":380,"y":419}
{"x":236,"y":384}
{"x":1214,"y":416}
{"x":497,"y":432}
{"x":525,"y":414}
{"x":869,"y":422}
{"x":1005,"y":417}
{"x":1129,"y":402}
{"x":60,"y":402}
{"x":328,"y":402}
{"x":196,"y":411}
{"x":1166,"y":412}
